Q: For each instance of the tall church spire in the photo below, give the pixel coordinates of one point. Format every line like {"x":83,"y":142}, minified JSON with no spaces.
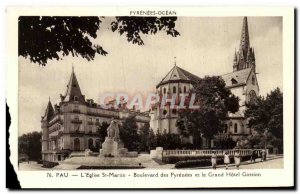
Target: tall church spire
{"x":245,"y":43}
{"x":245,"y":55}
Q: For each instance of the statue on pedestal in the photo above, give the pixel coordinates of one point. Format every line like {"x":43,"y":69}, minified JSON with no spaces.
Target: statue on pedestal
{"x":112,"y":144}
{"x":113,"y":131}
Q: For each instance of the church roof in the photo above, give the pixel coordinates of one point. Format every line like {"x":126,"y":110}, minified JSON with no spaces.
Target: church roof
{"x":73,"y":89}
{"x":49,"y":113}
{"x":178,"y":74}
{"x":236,"y":78}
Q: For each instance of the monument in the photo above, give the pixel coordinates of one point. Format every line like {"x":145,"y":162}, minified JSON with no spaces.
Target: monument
{"x":113,"y":145}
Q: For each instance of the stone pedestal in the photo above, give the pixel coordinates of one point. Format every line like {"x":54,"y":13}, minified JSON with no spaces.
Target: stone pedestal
{"x":111,"y":147}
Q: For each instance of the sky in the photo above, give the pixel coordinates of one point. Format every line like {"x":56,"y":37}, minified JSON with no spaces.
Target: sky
{"x":205,"y":46}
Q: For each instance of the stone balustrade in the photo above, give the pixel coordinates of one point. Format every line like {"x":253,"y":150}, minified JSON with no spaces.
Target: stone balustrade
{"x":179,"y":153}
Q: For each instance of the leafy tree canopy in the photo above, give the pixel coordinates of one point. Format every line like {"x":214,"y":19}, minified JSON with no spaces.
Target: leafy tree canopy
{"x":30,"y":144}
{"x":42,"y":37}
{"x":267,"y":113}
{"x":215,"y":101}
{"x":129,"y":133}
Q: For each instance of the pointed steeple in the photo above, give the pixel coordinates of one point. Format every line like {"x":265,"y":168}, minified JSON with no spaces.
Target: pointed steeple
{"x":244,"y":57}
{"x":73,"y":92}
{"x":245,"y":43}
{"x":49,"y":113}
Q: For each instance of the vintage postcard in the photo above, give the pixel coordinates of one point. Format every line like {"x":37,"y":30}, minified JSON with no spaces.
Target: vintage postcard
{"x":151,"y":97}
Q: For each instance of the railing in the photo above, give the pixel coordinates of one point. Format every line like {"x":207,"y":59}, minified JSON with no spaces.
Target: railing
{"x":182,"y":153}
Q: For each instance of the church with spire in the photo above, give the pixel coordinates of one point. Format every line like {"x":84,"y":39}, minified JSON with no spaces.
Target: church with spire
{"x":71,"y":126}
{"x":242,"y":82}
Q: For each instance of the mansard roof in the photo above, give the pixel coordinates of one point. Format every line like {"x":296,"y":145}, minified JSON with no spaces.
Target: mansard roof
{"x":49,"y":113}
{"x":236,"y":78}
{"x":178,"y":74}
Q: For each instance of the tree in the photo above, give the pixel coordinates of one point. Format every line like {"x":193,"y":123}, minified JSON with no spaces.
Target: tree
{"x":267,"y":114}
{"x":215,"y":102}
{"x":152,"y":140}
{"x":224,"y":141}
{"x":42,"y":37}
{"x":254,"y":141}
{"x":102,"y":131}
{"x":129,"y":135}
{"x":144,"y":138}
{"x":30,"y":144}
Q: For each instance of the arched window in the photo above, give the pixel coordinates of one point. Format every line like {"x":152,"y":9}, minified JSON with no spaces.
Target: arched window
{"x":75,"y":98}
{"x":253,"y":80}
{"x":174,"y":89}
{"x":235,"y":128}
{"x":164,"y":90}
{"x":76,"y":144}
{"x":91,"y":143}
{"x":184,"y":89}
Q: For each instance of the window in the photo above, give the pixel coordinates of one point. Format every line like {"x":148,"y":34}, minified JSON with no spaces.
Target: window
{"x":184,"y":89}
{"x":164,"y":90}
{"x":165,"y":112}
{"x":252,"y":96}
{"x":225,"y":128}
{"x":174,"y":89}
{"x":174,"y":111}
{"x":75,"y":98}
{"x":233,"y":81}
{"x":76,"y":144}
{"x":235,"y":128}
{"x":253,"y":80}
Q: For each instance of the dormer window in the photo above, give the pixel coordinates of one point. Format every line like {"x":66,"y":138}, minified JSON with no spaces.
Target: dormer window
{"x":233,"y":81}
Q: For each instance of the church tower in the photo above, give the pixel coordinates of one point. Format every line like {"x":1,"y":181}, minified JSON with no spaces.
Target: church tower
{"x":244,"y":58}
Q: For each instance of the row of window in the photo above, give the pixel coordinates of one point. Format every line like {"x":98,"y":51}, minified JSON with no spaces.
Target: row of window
{"x":91,"y":145}
{"x":235,"y":128}
{"x":175,"y":90}
{"x":76,"y":118}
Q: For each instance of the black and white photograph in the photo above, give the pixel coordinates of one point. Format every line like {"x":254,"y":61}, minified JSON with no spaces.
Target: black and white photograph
{"x":149,"y":92}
